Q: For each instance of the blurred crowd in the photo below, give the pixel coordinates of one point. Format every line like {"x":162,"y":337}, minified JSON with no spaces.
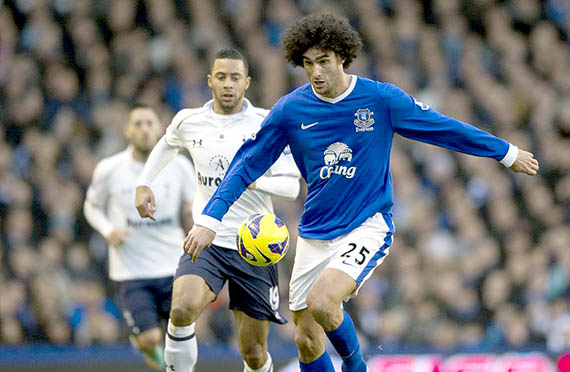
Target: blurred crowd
{"x":481,"y":257}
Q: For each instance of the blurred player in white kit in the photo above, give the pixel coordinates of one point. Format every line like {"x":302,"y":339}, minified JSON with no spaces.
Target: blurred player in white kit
{"x":143,"y":254}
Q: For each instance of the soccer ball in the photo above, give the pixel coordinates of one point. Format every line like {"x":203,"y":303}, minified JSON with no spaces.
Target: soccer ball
{"x":263,"y":239}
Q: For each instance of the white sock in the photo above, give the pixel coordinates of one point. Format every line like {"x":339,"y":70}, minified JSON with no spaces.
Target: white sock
{"x":180,"y":348}
{"x":267,"y":367}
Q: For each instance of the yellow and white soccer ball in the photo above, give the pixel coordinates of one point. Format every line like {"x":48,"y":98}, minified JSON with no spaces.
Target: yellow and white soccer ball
{"x":263,"y":239}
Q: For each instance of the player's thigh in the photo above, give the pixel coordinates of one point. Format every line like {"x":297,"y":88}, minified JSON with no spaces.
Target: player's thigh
{"x":311,"y":258}
{"x":331,"y":287}
{"x":191,"y":293}
{"x":360,"y":251}
{"x":309,"y":336}
{"x":356,"y":254}
{"x":196,"y":284}
{"x":251,"y":331}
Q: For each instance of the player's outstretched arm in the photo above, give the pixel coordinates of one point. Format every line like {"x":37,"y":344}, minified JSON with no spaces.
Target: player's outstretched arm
{"x":525,"y":163}
{"x":198,"y":238}
{"x":144,"y":202}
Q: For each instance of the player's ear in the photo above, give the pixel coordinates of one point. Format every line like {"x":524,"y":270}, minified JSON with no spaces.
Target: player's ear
{"x":127,"y":125}
{"x":247,"y":81}
{"x":210,"y":80}
{"x":127,"y":130}
{"x":340,"y":60}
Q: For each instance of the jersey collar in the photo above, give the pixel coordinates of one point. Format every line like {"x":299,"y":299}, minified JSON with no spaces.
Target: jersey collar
{"x":246,"y":108}
{"x":340,"y":97}
{"x":130,"y":150}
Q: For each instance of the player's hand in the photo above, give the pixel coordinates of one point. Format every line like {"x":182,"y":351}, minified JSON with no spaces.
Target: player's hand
{"x":144,"y":201}
{"x":117,"y":237}
{"x":252,"y":186}
{"x":198,"y":238}
{"x":525,"y":163}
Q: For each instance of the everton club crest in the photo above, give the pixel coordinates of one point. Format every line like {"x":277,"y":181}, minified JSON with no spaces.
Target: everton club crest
{"x":364,"y":120}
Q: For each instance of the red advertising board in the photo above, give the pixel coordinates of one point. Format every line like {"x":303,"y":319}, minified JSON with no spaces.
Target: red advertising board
{"x":404,"y":363}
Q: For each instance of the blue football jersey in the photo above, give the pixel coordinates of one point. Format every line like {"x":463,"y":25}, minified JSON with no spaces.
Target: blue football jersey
{"x":342,"y":148}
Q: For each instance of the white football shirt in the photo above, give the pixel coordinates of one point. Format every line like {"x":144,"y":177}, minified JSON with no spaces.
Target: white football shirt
{"x":151,"y":249}
{"x":212,"y":141}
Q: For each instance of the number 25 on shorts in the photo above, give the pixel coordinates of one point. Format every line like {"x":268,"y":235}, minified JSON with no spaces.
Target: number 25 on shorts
{"x":355,"y":254}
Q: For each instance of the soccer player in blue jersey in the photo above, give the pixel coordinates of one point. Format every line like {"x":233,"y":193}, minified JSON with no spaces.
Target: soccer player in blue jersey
{"x":339,"y":128}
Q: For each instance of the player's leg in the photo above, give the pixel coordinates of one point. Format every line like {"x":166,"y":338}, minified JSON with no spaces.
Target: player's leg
{"x":140,"y":308}
{"x":358,"y":253}
{"x":192,"y":291}
{"x":311,"y":259}
{"x":254,"y":298}
{"x":252,"y":338}
{"x":325,"y":306}
{"x":190,"y":295}
{"x":325,"y":273}
{"x":310,"y":340}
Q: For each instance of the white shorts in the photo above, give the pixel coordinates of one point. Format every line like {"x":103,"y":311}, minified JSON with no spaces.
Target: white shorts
{"x":356,"y":253}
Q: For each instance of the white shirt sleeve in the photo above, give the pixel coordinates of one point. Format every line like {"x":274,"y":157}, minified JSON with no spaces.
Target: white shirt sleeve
{"x":286,"y":187}
{"x":160,"y":156}
{"x":95,"y":201}
{"x":285,"y":165}
{"x":510,"y":156}
{"x":282,"y":180}
{"x":189,"y":178}
{"x":208,"y":222}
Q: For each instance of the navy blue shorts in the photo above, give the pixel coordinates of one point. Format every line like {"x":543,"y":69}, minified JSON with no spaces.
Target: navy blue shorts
{"x":145,"y":302}
{"x":253,"y":290}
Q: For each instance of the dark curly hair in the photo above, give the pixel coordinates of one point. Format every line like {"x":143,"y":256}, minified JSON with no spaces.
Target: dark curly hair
{"x":324,"y":31}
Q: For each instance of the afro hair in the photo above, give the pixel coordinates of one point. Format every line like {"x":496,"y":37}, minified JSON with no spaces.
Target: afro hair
{"x":324,"y":31}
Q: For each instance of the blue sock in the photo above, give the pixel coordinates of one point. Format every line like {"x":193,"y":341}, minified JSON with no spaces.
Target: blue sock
{"x":321,"y":364}
{"x":346,"y":344}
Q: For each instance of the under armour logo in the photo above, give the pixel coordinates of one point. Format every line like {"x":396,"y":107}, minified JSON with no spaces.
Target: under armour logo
{"x":196,"y":143}
{"x":170,"y":367}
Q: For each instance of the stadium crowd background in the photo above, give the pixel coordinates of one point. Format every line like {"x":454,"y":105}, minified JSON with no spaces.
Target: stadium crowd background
{"x":481,"y":257}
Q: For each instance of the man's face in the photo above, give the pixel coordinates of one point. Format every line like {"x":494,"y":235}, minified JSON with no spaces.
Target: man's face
{"x":324,"y":70}
{"x":229,"y":81}
{"x":143,"y":129}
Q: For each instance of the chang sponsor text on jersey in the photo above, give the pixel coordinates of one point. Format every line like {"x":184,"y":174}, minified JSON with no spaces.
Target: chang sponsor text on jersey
{"x":336,"y":153}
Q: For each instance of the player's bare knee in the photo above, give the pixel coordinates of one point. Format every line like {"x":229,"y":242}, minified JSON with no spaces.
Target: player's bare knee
{"x":180,"y":315}
{"x":308,"y":345}
{"x":185,"y":310}
{"x":320,"y":306}
{"x":254,"y":355}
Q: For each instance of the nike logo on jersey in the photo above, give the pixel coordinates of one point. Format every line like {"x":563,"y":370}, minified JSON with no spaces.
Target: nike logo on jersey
{"x":303,"y":126}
